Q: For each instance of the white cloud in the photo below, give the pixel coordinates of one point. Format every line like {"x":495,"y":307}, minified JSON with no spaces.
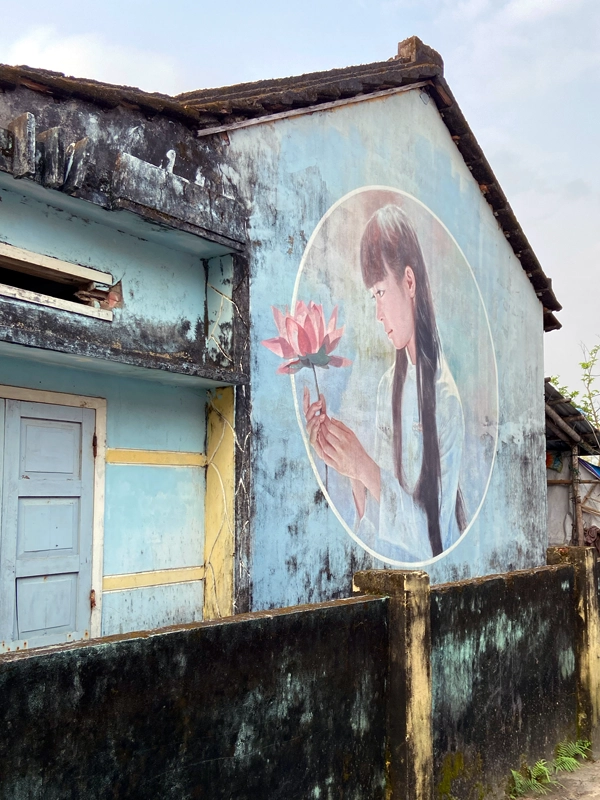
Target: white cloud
{"x":88,"y":55}
{"x":526,"y":73}
{"x":528,"y":10}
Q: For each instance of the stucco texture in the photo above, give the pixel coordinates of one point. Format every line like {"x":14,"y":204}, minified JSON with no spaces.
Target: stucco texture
{"x":291,"y":172}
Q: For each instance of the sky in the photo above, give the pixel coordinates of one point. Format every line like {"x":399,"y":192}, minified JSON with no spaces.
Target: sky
{"x":526,"y":74}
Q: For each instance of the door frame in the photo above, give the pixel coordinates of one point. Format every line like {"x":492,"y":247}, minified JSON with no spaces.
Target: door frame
{"x":98,"y":404}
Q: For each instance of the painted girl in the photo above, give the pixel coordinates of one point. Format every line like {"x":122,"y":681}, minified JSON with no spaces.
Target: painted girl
{"x":407,"y":496}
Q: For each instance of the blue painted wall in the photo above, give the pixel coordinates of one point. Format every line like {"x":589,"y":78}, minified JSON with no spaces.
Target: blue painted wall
{"x":292,"y":171}
{"x":154,"y":516}
{"x":161,"y":285}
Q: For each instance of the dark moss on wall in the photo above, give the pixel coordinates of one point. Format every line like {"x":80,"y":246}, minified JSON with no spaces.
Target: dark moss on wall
{"x":136,"y":342}
{"x":503,"y":677}
{"x":281,"y":705}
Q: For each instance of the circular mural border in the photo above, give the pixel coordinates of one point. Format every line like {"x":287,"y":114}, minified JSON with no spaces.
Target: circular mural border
{"x":299,"y":417}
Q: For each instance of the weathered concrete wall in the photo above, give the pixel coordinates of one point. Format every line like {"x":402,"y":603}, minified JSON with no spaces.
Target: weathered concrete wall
{"x":292,"y":172}
{"x":287,"y":705}
{"x":586,"y":635}
{"x":317,"y":702}
{"x":176,"y":313}
{"x":154,"y":515}
{"x":119,"y":158}
{"x":504,"y":676}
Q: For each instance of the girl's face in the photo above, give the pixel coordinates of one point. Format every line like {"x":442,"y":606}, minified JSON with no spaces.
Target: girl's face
{"x":395,"y":308}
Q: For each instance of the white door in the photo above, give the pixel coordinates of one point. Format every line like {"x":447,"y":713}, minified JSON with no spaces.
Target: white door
{"x":46,"y":524}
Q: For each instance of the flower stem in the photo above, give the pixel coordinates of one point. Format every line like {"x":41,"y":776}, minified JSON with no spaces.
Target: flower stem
{"x":318,"y":398}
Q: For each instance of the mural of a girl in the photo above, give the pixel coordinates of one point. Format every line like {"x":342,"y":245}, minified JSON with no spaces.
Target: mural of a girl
{"x":409,"y":506}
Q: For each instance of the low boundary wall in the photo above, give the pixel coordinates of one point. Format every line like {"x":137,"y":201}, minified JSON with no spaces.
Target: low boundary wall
{"x":402,"y":693}
{"x":503,"y":662}
{"x":286,"y":704}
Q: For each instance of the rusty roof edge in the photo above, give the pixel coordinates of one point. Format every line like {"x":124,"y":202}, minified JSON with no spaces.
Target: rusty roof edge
{"x":104,"y":95}
{"x":479,"y":166}
{"x":256,"y":89}
{"x":307,"y":109}
{"x":414,"y":64}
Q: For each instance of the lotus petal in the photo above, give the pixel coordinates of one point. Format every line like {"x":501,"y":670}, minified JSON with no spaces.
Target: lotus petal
{"x":310,"y":331}
{"x":280,"y":346}
{"x":332,"y":320}
{"x":301,"y":312}
{"x":318,"y":320}
{"x":279,"y":320}
{"x":297,"y":337}
{"x":338,"y":361}
{"x":290,"y":369}
{"x":333,"y":339}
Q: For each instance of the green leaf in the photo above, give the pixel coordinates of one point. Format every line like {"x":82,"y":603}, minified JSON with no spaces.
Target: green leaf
{"x":540,"y":771}
{"x":296,"y":367}
{"x":320,"y":359}
{"x":579,"y":749}
{"x":566,"y":764}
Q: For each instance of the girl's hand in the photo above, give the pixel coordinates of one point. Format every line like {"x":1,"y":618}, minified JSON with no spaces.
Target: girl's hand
{"x":316,"y":414}
{"x":343,"y":451}
{"x":341,"y":447}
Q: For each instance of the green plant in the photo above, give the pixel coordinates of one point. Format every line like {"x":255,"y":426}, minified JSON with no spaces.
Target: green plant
{"x":538,"y":779}
{"x":588,"y":401}
{"x":567,"y":754}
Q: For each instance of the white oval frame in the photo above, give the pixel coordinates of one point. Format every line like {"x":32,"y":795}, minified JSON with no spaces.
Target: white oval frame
{"x":300,"y":418}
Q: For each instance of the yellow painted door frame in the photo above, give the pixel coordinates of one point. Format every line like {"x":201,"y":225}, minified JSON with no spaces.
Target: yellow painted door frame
{"x":219,"y":512}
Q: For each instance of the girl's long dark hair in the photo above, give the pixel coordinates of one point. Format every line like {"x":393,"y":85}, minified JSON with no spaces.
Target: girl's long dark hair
{"x":389,"y":244}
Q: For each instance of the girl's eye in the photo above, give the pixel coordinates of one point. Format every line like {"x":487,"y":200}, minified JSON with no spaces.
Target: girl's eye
{"x":380,"y":293}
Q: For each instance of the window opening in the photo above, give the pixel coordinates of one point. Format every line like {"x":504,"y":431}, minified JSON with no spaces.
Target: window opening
{"x":44,"y":280}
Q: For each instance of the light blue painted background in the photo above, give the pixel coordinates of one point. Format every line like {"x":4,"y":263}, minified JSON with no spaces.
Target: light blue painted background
{"x":161,"y":285}
{"x":292,"y":171}
{"x":154,"y":516}
{"x":152,"y":607}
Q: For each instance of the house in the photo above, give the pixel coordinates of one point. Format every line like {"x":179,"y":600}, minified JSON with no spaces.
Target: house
{"x":117,"y":333}
{"x":163,"y":259}
{"x":573,"y":481}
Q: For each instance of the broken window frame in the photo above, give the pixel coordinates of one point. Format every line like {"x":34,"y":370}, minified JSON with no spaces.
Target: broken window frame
{"x":85,"y":279}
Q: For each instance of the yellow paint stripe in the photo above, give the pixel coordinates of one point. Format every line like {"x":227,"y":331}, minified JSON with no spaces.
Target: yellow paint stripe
{"x":161,"y":577}
{"x":157,"y":458}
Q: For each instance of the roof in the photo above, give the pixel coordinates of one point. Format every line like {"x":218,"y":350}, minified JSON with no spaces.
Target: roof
{"x":105,"y":95}
{"x":595,"y":470}
{"x":205,"y":109}
{"x":567,"y":425}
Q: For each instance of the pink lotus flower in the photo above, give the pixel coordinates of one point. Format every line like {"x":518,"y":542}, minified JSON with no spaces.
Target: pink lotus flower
{"x":306,"y":339}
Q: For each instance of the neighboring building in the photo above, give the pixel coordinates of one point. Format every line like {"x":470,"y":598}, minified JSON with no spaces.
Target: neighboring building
{"x":141,"y":252}
{"x":573,"y":482}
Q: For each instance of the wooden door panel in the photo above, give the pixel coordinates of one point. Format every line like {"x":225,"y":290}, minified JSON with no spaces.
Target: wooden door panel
{"x":51,"y":448}
{"x":39,"y":566}
{"x":48,"y":526}
{"x":47,"y":511}
{"x":46,"y":605}
{"x":28,"y":487}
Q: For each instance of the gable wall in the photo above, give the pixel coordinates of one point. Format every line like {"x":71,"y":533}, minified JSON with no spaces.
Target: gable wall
{"x":291,"y":172}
